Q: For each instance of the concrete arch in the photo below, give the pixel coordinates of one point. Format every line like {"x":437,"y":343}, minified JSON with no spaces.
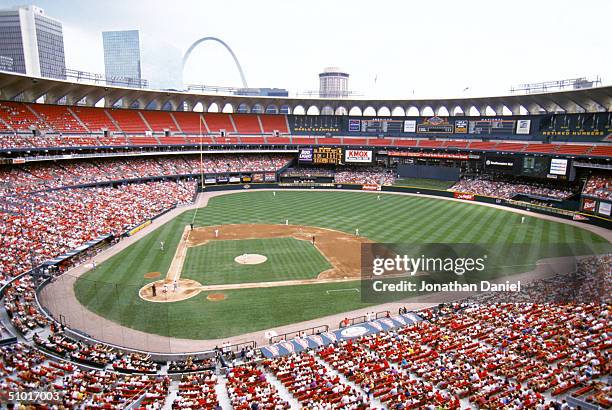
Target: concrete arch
{"x":369,"y":112}
{"x":384,"y":111}
{"x":285,"y":109}
{"x":213,"y":107}
{"x":257,"y":109}
{"x":489,"y":111}
{"x":341,"y":111}
{"x":413,"y":111}
{"x":313,"y":110}
{"x":356,"y":111}
{"x":228,"y":108}
{"x":327,"y":110}
{"x":398,"y":111}
{"x":442,"y":111}
{"x":224,"y":44}
{"x":299,"y":110}
{"x":457,"y":111}
{"x":473,"y":111}
{"x":505,"y":110}
{"x":427,"y":111}
{"x":243,"y":108}
{"x":272,"y":109}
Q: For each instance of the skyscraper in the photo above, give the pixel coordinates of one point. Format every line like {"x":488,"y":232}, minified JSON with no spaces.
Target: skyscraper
{"x":33,"y":41}
{"x":122,"y":57}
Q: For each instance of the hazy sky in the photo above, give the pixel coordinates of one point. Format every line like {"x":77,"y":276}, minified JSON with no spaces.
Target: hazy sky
{"x":389,"y":48}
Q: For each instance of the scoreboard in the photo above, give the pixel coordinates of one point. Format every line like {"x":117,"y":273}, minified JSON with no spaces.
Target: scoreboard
{"x":492,"y":126}
{"x":326,"y":155}
{"x":376,"y":125}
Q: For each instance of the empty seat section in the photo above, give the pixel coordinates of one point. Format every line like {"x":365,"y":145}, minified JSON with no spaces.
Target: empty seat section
{"x":159,"y":121}
{"x":278,"y":140}
{"x":19,"y":117}
{"x":380,"y":141}
{"x":252,"y":140}
{"x":272,"y":122}
{"x":129,"y":121}
{"x":482,"y":145}
{"x":58,"y":118}
{"x":509,"y":146}
{"x":544,"y":148}
{"x":573,"y":149}
{"x":140,"y":140}
{"x":329,"y":141}
{"x":190,"y":122}
{"x":247,"y":123}
{"x":305,"y":140}
{"x":172,"y":140}
{"x":204,"y":140}
{"x":405,"y":143}
{"x":431,"y":144}
{"x":601,"y":151}
{"x":94,"y":118}
{"x":353,"y":141}
{"x":456,"y":144}
{"x":226,"y":140}
{"x":218,"y":121}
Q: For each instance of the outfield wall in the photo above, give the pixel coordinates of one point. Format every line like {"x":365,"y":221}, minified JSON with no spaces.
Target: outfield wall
{"x":559,"y":213}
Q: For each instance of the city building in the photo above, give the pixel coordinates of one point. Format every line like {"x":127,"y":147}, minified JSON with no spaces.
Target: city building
{"x":122,"y":58}
{"x":31,"y":43}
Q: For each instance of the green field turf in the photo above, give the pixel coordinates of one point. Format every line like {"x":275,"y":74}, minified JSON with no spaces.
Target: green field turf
{"x":424,"y":183}
{"x":112,"y":289}
{"x":288,"y":259}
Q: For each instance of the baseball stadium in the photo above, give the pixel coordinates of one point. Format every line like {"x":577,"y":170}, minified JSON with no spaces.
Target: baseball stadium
{"x":190,"y":249}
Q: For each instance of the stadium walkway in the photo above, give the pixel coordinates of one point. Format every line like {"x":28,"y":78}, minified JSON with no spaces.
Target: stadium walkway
{"x":78,"y":317}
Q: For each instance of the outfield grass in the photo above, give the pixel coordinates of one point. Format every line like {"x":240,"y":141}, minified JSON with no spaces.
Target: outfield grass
{"x":112,"y":289}
{"x":424,"y":183}
{"x":288,"y":259}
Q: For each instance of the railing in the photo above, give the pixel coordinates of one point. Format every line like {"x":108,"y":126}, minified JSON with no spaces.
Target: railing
{"x":308,"y":332}
{"x":362,"y":319}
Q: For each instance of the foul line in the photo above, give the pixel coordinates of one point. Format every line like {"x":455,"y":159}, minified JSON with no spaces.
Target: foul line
{"x":342,"y":290}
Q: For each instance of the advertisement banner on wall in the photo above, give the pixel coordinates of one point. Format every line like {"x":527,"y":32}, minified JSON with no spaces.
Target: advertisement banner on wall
{"x":461,"y":126}
{"x":305,"y":155}
{"x":605,"y":208}
{"x":523,"y":127}
{"x":210,"y":180}
{"x":356,"y":155}
{"x":589,"y":205}
{"x":258,"y":177}
{"x":370,"y":187}
{"x":464,"y":195}
{"x":431,"y":155}
{"x":410,"y":126}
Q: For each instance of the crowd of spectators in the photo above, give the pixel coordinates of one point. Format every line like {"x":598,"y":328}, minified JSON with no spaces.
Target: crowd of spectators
{"x":24,"y":369}
{"x":507,"y":188}
{"x":41,"y":176}
{"x":368,"y":175}
{"x":599,"y":186}
{"x":40,"y":226}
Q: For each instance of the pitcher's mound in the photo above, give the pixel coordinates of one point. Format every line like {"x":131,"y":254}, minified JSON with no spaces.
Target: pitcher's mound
{"x":152,"y":275}
{"x":250,"y":259}
{"x":215,"y":297}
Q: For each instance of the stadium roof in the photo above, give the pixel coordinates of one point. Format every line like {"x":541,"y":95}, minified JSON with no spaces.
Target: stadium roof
{"x":29,"y":89}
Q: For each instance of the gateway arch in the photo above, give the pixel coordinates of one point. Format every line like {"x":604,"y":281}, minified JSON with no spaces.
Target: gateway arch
{"x":224,"y":44}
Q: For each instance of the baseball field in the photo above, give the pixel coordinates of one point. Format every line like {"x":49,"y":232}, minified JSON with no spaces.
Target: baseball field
{"x":224,"y":293}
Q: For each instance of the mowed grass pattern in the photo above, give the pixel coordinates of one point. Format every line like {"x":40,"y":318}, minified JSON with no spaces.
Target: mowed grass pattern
{"x":112,"y":289}
{"x":288,"y":259}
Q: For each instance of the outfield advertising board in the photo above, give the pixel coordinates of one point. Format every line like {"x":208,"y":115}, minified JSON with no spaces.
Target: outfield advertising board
{"x":305,"y":155}
{"x":359,"y":156}
{"x":604,"y":208}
